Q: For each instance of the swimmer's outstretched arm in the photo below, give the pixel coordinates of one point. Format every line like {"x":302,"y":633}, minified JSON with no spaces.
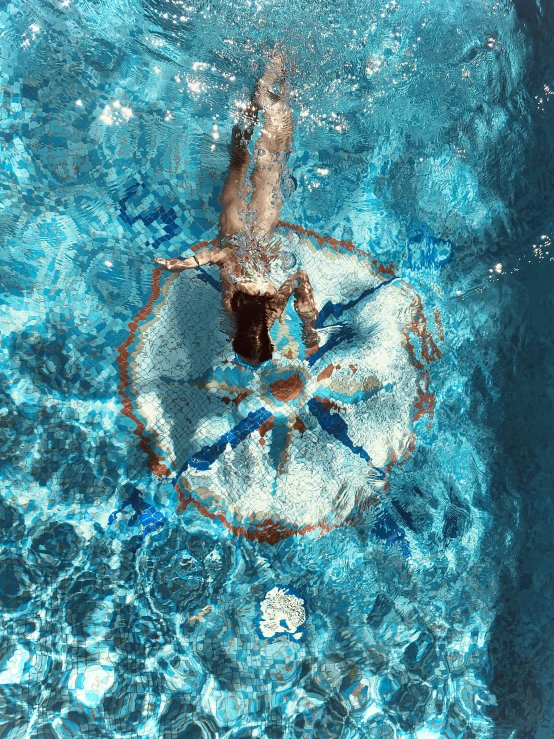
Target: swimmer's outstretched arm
{"x":206,"y":256}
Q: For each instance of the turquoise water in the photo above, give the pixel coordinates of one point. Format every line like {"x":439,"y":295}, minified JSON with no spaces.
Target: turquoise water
{"x":412,"y":599}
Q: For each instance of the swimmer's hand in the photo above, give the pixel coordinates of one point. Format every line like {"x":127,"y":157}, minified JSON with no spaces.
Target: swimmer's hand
{"x":310,"y":336}
{"x":175,"y":264}
{"x":206,"y":256}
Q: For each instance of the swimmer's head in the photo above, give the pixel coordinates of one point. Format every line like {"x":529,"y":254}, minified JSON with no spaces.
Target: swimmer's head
{"x":252,"y":340}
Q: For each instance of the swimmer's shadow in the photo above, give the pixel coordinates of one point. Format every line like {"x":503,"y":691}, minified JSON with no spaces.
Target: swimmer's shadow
{"x":199,"y":330}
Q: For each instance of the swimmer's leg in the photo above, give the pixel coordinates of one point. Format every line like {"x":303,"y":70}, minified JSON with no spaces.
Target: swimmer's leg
{"x":233,"y":196}
{"x":272,"y":148}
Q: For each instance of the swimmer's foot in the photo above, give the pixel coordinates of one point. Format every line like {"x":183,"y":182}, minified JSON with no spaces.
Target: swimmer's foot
{"x":277,"y":65}
{"x":242,"y":133}
{"x":271,"y":88}
{"x":250,"y":117}
{"x":243,"y":130}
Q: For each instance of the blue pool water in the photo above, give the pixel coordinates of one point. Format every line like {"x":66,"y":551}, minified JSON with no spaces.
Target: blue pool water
{"x":191,"y":549}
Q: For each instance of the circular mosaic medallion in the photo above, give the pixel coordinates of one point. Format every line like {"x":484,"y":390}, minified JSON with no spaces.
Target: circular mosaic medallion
{"x":302,"y":441}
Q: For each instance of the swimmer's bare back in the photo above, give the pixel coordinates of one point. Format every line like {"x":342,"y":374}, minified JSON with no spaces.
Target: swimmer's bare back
{"x":256,"y":220}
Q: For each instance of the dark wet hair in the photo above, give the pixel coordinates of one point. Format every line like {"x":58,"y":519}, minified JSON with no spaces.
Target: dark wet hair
{"x":252,"y":332}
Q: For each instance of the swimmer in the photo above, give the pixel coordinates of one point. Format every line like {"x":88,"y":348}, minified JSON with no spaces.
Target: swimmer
{"x":247,"y":247}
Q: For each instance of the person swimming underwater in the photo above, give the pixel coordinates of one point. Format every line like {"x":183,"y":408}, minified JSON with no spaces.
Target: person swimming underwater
{"x":248,"y":250}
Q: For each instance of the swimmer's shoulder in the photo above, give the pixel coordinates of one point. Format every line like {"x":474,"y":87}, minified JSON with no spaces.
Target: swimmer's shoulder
{"x":224,"y":254}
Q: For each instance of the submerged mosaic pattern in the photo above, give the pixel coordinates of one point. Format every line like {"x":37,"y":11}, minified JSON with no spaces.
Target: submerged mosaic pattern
{"x":305,"y":442}
{"x":134,"y":605}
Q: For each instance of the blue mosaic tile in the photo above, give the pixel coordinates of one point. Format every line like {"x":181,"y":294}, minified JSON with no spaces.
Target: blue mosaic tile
{"x":353,"y":539}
